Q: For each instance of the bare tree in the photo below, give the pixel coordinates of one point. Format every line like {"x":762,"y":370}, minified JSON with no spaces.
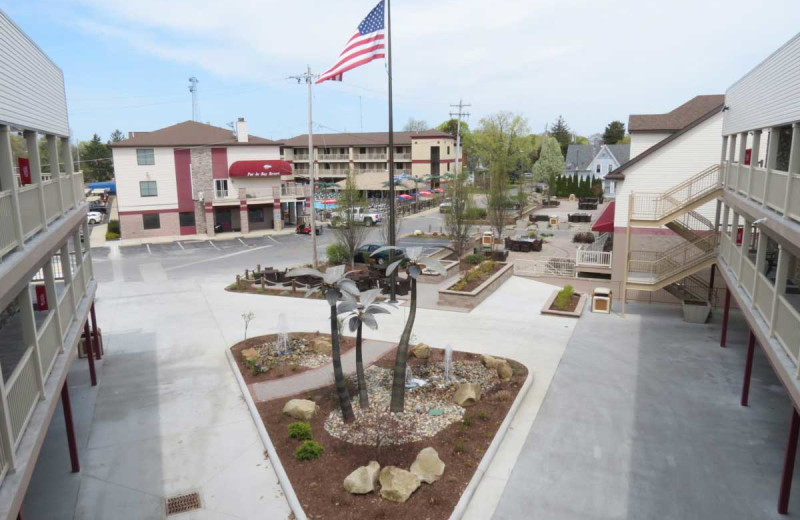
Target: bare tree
{"x":456,"y":219}
{"x":416,"y":125}
{"x":386,"y":227}
{"x":498,"y":202}
{"x":350,"y":232}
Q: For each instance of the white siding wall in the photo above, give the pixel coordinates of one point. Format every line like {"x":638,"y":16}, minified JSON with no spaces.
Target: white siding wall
{"x":687,"y":155}
{"x":769,"y":95}
{"x":32,"y":91}
{"x":128,"y":174}
{"x":642,"y":141}
{"x":253,"y":153}
{"x":604,"y":159}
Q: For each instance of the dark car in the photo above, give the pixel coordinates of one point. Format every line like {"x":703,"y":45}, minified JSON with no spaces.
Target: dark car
{"x":364,"y":255}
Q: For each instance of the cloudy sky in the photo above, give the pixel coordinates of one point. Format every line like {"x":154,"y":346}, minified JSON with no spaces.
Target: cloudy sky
{"x":126,"y":63}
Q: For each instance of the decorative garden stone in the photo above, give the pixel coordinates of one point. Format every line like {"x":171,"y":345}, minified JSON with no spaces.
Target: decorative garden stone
{"x":504,"y":370}
{"x":250,"y":354}
{"x":397,"y":484}
{"x":363,"y":480}
{"x":491,"y":362}
{"x":467,"y":394}
{"x":301,"y":409}
{"x":321,"y":345}
{"x":428,"y":466}
{"x":421,"y":351}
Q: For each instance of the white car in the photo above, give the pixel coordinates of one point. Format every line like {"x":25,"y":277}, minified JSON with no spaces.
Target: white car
{"x":94,"y":217}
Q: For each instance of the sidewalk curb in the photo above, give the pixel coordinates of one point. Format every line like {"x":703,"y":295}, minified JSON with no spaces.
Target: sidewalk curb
{"x":283,"y":479}
{"x":466,"y":496}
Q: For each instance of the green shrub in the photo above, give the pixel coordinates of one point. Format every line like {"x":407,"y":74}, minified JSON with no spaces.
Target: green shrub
{"x":467,"y":421}
{"x":112,"y":236}
{"x":113,"y":226}
{"x":337,"y":254}
{"x":474,"y":258}
{"x":459,"y":447}
{"x":564,"y":298}
{"x":309,"y":450}
{"x":476,"y":213}
{"x":300,"y":431}
{"x":483,"y":416}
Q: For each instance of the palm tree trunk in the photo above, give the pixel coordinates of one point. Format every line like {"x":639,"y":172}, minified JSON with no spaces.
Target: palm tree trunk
{"x":399,"y":378}
{"x":363,"y":398}
{"x":338,"y":373}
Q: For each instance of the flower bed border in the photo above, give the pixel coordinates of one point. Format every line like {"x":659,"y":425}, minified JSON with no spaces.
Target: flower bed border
{"x":471,"y":299}
{"x":571,"y":314}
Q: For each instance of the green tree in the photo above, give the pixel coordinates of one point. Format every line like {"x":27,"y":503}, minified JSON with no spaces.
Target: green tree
{"x":96,"y":160}
{"x":456,"y":220}
{"x":615,"y":131}
{"x":560,"y":131}
{"x":625,"y":140}
{"x":116,"y":136}
{"x":550,"y":163}
{"x":350,"y":232}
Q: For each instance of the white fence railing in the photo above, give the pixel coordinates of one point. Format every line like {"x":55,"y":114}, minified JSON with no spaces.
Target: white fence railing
{"x":586,"y":258}
{"x":22,"y":394}
{"x":553,"y":266}
{"x":66,"y":310}
{"x":49,"y":343}
{"x":655,"y":206}
{"x":775,"y":189}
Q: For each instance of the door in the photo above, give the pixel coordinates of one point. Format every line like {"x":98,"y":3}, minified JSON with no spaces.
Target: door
{"x":435,"y":160}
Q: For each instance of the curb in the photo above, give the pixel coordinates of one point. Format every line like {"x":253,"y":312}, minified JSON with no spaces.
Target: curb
{"x":466,"y":496}
{"x":283,"y":479}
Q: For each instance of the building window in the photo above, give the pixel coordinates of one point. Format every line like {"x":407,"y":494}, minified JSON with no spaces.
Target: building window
{"x":255,"y":214}
{"x":145,"y":157}
{"x":448,"y":150}
{"x":362,"y":150}
{"x":148,"y":189}
{"x":221,"y":188}
{"x":597,"y":169}
{"x":186,"y":218}
{"x":448,"y":166}
{"x":151,"y":221}
{"x":610,"y":167}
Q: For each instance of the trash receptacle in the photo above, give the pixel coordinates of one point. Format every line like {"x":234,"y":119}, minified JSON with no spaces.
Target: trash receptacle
{"x":601,"y":300}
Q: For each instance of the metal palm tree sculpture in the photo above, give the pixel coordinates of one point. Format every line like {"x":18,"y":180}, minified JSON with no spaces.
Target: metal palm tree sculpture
{"x":361,"y":313}
{"x":334,"y":286}
{"x":414,"y":265}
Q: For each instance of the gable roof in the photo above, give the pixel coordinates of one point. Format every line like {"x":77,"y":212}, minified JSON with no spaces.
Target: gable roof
{"x":580,"y":156}
{"x":677,"y":119}
{"x":621,"y":152}
{"x":190,"y":133}
{"x":363,"y":138}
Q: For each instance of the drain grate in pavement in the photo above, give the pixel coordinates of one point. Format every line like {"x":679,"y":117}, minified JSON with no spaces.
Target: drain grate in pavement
{"x":183,"y":503}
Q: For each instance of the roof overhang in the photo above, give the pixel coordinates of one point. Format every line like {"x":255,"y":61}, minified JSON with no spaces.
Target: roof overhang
{"x":266,"y":168}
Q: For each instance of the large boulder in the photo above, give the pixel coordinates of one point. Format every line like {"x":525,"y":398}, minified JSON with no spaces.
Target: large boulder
{"x":467,"y":394}
{"x":250,"y":354}
{"x":421,"y":351}
{"x":301,"y":409}
{"x":397,"y":484}
{"x":363,"y":480}
{"x":428,"y":466}
{"x":321,"y":345}
{"x":504,"y":370}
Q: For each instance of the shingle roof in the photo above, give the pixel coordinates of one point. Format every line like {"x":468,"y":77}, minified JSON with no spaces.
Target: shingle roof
{"x":363,"y":138}
{"x":677,"y":119}
{"x":621,"y":152}
{"x":190,"y":133}
{"x":579,"y":156}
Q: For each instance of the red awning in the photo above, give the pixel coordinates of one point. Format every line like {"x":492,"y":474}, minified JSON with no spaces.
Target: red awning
{"x":260,"y":169}
{"x":605,"y":224}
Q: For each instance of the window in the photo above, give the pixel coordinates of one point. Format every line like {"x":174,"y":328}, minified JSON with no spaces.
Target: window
{"x":448,"y":166}
{"x":255,"y":214}
{"x":221,"y":188}
{"x":610,"y":167}
{"x":145,"y":157}
{"x":598,"y":169}
{"x":398,"y":149}
{"x":362,"y":150}
{"x":148,"y":189}
{"x":448,"y":150}
{"x":151,"y":221}
{"x":186,"y":218}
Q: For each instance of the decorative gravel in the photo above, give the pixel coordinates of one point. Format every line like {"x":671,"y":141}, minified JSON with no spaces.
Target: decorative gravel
{"x":299,"y":353}
{"x":377,"y":425}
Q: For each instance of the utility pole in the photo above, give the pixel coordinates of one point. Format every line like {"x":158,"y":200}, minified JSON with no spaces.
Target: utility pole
{"x":193,"y":81}
{"x":459,"y":114}
{"x":309,"y":79}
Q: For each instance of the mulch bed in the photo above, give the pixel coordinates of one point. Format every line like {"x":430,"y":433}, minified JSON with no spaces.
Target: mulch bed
{"x":250,"y":287}
{"x":318,"y":483}
{"x":573,"y":304}
{"x":472,"y":285}
{"x":278,"y":371}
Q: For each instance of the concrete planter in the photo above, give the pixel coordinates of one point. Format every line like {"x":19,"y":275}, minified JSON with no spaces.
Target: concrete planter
{"x":433,"y":277}
{"x":696,"y":312}
{"x":471,"y":299}
{"x":572,"y":314}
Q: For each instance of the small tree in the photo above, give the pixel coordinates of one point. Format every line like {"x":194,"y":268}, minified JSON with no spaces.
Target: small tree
{"x":615,"y":131}
{"x":350,"y":232}
{"x":550,"y":163}
{"x":247,"y":317}
{"x":562,"y":134}
{"x":498,"y":202}
{"x":456,"y":220}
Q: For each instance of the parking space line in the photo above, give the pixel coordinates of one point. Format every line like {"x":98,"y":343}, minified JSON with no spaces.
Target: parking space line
{"x":216,"y":258}
{"x":179,"y":243}
{"x":243,"y":242}
{"x":214,"y":245}
{"x":270,"y":237}
{"x":148,"y":249}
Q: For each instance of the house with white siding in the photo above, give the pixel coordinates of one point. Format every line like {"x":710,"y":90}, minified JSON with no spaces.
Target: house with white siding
{"x":595,"y":160}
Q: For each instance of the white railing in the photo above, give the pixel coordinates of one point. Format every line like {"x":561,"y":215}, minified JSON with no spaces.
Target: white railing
{"x":22,"y":394}
{"x":370,"y":157}
{"x":747,"y":276}
{"x":402,"y":157}
{"x":663,"y":264}
{"x":333,"y":157}
{"x":58,"y":273}
{"x":775,"y":189}
{"x":554,"y":266}
{"x":49,"y":343}
{"x":299,"y":157}
{"x":77,"y":185}
{"x":51,"y":205}
{"x":66,"y":309}
{"x":66,"y":194}
{"x":8,"y":237}
{"x":787,"y":327}
{"x":655,"y":206}
{"x":586,"y":258}
{"x":765,"y":292}
{"x":30,"y":209}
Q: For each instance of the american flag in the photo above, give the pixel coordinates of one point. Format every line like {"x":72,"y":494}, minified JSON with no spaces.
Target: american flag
{"x":365,"y":45}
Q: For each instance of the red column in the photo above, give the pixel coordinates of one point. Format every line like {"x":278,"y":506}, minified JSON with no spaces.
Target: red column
{"x":98,"y":347}
{"x":89,"y":353}
{"x":73,"y":446}
{"x":748,"y":368}
{"x":788,"y":464}
{"x":725,"y":314}
{"x":711,"y":284}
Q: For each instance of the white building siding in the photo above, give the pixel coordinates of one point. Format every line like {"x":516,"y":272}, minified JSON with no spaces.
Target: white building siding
{"x":687,"y":155}
{"x":129,"y":173}
{"x":642,"y":141}
{"x":769,"y":95}
{"x":32,"y":87}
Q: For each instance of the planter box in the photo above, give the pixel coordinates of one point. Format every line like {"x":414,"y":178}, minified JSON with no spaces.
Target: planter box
{"x":471,"y":299}
{"x":572,"y":314}
{"x":696,"y":312}
{"x":433,"y":277}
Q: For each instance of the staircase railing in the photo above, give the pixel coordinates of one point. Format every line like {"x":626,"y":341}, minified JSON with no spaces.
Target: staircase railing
{"x":655,"y":206}
{"x":662,"y":265}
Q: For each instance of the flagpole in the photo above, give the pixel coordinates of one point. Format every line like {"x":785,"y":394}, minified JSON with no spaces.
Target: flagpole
{"x":312,"y":174}
{"x":392,"y":237}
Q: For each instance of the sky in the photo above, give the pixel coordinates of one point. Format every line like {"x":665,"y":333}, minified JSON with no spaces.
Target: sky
{"x":127,"y":63}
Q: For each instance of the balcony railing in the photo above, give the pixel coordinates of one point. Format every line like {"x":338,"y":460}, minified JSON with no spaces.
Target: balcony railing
{"x":660,"y":265}
{"x":333,"y":157}
{"x":370,"y":157}
{"x":655,"y":206}
{"x":772,"y":188}
{"x":299,"y":157}
{"x":402,"y":157}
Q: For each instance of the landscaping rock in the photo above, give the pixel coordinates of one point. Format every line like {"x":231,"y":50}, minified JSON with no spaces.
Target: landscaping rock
{"x":301,"y":409}
{"x":428,"y":466}
{"x":321,"y":345}
{"x":504,"y":370}
{"x":363,"y":480}
{"x":491,"y":362}
{"x":397,"y":484}
{"x":250,"y":354}
{"x":467,"y":394}
{"x":421,"y":351}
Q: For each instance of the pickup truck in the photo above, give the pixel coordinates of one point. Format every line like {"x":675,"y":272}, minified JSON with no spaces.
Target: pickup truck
{"x":364,"y":216}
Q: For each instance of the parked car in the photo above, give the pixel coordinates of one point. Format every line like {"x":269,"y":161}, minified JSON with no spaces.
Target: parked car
{"x":364,"y":255}
{"x":94,"y":217}
{"x":444,"y":207}
{"x":98,"y":208}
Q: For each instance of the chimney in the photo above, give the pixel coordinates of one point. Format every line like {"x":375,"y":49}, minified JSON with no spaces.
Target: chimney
{"x":241,"y":130}
{"x":130,"y":135}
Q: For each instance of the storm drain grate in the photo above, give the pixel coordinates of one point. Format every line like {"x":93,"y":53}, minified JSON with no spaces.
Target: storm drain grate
{"x":183,"y":503}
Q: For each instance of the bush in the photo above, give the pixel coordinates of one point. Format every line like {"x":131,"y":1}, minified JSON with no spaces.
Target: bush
{"x":459,"y":447}
{"x":309,"y":450}
{"x":476,"y":213}
{"x":474,"y":258}
{"x":564,"y":298}
{"x":112,"y":236}
{"x":113,"y":226}
{"x":584,"y":237}
{"x":337,"y":254}
{"x":467,"y":421}
{"x":300,"y":431}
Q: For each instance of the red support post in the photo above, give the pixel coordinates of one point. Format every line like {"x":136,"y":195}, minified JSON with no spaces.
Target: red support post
{"x":788,"y":464}
{"x":73,"y":445}
{"x":748,"y":368}
{"x":723,"y":340}
{"x":711,"y":284}
{"x":98,"y":348}
{"x":89,"y":352}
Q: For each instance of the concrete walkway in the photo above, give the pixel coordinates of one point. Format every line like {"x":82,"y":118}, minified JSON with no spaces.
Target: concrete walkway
{"x":318,"y":377}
